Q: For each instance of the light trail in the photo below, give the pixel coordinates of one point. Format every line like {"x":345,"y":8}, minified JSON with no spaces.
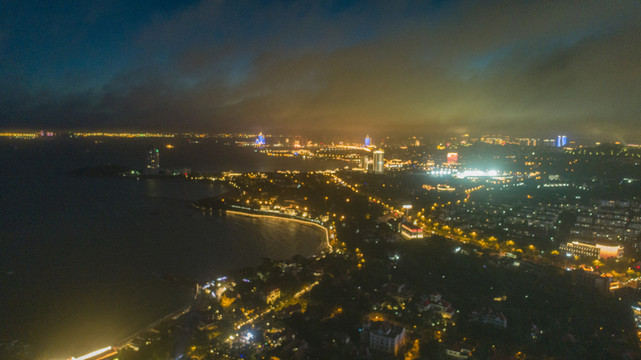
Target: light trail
{"x":96,"y":353}
{"x":302,"y":292}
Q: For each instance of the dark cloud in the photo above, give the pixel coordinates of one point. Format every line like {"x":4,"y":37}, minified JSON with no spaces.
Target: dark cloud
{"x":519,"y":67}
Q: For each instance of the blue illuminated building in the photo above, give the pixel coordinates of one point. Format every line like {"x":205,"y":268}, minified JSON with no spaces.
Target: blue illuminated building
{"x":261,"y":139}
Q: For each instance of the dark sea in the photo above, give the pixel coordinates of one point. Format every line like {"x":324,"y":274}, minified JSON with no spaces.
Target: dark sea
{"x":82,"y":259}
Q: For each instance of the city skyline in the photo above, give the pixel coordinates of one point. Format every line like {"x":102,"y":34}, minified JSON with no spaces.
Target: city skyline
{"x":415,"y":67}
{"x":342,"y":179}
{"x":300,"y":139}
{"x":235,"y":239}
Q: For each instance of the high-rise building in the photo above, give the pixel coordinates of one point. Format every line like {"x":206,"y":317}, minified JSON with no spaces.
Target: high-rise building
{"x":365,"y":162}
{"x":379,"y":162}
{"x":561,"y":141}
{"x":153,"y":159}
{"x":526,"y":141}
{"x":549,"y":142}
{"x":368,"y":141}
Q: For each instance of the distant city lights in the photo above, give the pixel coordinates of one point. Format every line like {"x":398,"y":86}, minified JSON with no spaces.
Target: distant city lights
{"x":260,"y":140}
{"x":476,"y":173}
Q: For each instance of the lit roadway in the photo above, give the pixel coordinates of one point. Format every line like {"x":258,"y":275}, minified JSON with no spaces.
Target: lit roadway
{"x":469,"y":239}
{"x":251,"y":320}
{"x":428,"y":228}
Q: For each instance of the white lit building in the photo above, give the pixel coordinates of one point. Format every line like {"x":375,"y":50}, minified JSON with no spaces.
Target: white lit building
{"x":597,"y":250}
{"x":383,"y":336}
{"x":458,"y":352}
{"x":365,"y":162}
{"x":437,"y":304}
{"x":379,"y":161}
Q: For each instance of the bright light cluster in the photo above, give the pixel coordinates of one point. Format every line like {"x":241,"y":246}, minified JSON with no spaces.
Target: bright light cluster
{"x":476,"y":173}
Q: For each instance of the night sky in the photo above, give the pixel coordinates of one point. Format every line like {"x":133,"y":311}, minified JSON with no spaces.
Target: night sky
{"x":524,"y":68}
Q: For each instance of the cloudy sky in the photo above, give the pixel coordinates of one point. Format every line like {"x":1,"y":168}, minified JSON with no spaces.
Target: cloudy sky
{"x":526,"y":68}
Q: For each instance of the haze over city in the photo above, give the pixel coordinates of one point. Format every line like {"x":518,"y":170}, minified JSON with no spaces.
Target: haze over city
{"x":376,"y":180}
{"x":520,"y":68}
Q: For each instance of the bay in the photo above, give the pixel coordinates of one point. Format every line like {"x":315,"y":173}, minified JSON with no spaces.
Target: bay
{"x":82,"y":259}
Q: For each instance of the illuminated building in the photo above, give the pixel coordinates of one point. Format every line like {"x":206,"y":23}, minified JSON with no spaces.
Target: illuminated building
{"x":383,"y":336}
{"x":379,"y":162}
{"x":368,"y":141}
{"x":549,"y":142}
{"x":365,"y":162}
{"x":260,"y":141}
{"x":458,"y":351}
{"x":439,"y":305}
{"x":409,"y":231}
{"x":153,"y":159}
{"x":398,"y":164}
{"x":597,"y":250}
{"x":527,"y":142}
{"x":609,"y":222}
{"x":561,"y":141}
{"x":452,"y":158}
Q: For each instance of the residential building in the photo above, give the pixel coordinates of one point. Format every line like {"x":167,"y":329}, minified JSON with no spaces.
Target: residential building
{"x":437,"y":304}
{"x":379,"y":161}
{"x":383,"y":336}
{"x":458,"y":351}
{"x":489,"y":317}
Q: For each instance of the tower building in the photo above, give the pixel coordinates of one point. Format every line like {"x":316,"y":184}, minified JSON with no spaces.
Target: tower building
{"x":379,"y":162}
{"x":260,"y":140}
{"x":365,"y":162}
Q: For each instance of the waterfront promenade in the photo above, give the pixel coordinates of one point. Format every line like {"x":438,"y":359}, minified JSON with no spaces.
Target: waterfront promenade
{"x":241,"y":211}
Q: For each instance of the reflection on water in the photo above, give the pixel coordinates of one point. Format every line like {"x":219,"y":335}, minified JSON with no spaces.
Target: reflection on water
{"x":82,"y":258}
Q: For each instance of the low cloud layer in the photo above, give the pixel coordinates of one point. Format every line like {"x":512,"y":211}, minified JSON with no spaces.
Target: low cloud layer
{"x":513,"y":67}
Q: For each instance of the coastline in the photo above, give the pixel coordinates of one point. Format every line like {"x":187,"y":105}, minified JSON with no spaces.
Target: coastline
{"x":325,"y":247}
{"x":266,"y":215}
{"x":121,"y":216}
